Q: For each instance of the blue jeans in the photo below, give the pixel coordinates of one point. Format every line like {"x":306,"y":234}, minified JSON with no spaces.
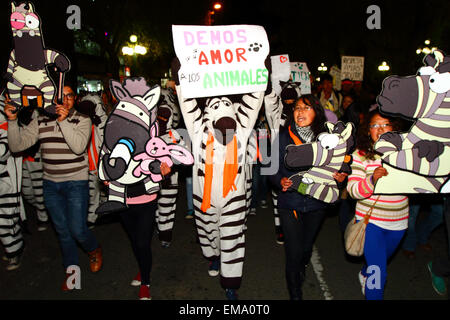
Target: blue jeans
{"x":379,"y":246}
{"x":419,"y":232}
{"x":67,"y":203}
{"x":259,"y":186}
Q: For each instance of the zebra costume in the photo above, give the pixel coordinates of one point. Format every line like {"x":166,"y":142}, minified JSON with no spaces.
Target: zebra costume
{"x":32,"y":182}
{"x":96,"y":190}
{"x":219,"y":177}
{"x":421,"y":156}
{"x":11,"y":207}
{"x":168,"y":120}
{"x":276,"y":115}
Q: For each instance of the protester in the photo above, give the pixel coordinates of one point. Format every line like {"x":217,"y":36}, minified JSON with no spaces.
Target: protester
{"x":11,"y":235}
{"x":301,"y":215}
{"x":329,"y":98}
{"x":389,"y":218}
{"x":66,"y":190}
{"x":419,"y":230}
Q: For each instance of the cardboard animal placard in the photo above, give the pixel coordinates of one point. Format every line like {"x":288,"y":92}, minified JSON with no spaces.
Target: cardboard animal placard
{"x":132,"y":152}
{"x":300,"y":73}
{"x":329,"y":154}
{"x":417,"y":161}
{"x":221,"y":60}
{"x":29,"y":84}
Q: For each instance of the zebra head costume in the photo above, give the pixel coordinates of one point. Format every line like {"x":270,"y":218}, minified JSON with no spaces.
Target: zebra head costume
{"x":126,"y":134}
{"x":329,"y":154}
{"x":29,"y":84}
{"x":421,"y":156}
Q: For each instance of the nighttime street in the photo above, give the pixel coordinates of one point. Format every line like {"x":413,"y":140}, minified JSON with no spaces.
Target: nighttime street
{"x":341,"y":107}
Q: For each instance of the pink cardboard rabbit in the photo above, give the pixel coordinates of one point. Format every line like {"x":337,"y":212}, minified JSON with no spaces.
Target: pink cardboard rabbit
{"x":157,"y":149}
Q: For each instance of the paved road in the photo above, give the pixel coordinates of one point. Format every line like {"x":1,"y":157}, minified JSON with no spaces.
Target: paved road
{"x":180,"y":272}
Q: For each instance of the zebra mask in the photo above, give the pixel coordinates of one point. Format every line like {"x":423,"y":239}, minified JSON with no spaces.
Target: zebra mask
{"x":417,"y":161}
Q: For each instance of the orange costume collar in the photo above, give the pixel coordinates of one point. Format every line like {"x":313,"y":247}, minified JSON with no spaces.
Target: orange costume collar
{"x":230,"y":170}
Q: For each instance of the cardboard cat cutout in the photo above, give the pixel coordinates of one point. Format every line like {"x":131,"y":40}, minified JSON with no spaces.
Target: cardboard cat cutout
{"x":417,"y":161}
{"x":329,"y":154}
{"x":29,"y":84}
{"x":132,"y":152}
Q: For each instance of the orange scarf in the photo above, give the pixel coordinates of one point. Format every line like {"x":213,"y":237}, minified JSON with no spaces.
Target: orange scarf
{"x":230,"y":170}
{"x":297,"y":141}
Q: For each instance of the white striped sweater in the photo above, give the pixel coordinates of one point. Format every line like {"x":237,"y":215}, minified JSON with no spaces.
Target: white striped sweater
{"x":390,"y":211}
{"x":63,"y":144}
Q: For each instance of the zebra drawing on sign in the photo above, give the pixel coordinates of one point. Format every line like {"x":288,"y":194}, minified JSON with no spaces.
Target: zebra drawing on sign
{"x":277,"y":115}
{"x":329,"y":154}
{"x":422,"y":155}
{"x":28,"y":81}
{"x":219,"y":136}
{"x":126,"y":134}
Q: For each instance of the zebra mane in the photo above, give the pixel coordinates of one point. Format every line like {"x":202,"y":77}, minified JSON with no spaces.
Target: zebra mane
{"x":136,"y":86}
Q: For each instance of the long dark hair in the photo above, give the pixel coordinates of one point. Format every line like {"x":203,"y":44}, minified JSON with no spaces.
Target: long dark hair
{"x":318,"y":125}
{"x":364,"y":142}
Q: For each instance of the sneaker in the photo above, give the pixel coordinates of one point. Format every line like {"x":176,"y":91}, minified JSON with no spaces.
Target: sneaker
{"x":13,"y":263}
{"x":263,"y":204}
{"x":136,"y":282}
{"x":231,"y":294}
{"x":189,"y":214}
{"x":252,"y":211}
{"x":42,"y":225}
{"x":438,"y":283}
{"x":362,"y":281}
{"x":165,"y":244}
{"x":96,"y":259}
{"x":144,"y":292}
{"x":213,"y":269}
{"x":280,"y":238}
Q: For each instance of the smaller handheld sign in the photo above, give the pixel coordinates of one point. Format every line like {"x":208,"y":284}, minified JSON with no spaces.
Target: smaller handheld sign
{"x":300,"y":73}
{"x":221,"y":60}
{"x":281,"y":71}
{"x":352,"y":68}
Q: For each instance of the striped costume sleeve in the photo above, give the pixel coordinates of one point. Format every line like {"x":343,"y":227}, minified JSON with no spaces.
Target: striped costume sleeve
{"x":359,"y":185}
{"x":11,"y":63}
{"x":192,"y":114}
{"x":273,"y":108}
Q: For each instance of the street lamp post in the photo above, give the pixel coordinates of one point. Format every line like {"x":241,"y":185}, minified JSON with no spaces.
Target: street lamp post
{"x":134,"y":49}
{"x":217,"y":6}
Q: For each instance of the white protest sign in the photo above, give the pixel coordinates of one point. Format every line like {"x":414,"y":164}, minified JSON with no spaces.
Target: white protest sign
{"x":281,"y":71}
{"x":221,"y":60}
{"x":335,"y":72}
{"x":300,"y":73}
{"x":352,"y":68}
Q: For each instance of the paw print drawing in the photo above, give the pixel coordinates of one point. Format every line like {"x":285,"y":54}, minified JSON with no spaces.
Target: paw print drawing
{"x":255,"y":47}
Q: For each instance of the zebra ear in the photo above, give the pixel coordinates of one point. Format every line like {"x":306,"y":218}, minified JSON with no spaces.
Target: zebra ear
{"x":151,"y":97}
{"x":117,"y":90}
{"x":330,"y":126}
{"x":13,"y":6}
{"x":347,"y":131}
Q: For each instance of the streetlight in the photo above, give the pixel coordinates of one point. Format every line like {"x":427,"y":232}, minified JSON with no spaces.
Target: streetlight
{"x":322,"y":67}
{"x":217,"y":6}
{"x":383,"y":67}
{"x":426,"y":50}
{"x":133,"y":50}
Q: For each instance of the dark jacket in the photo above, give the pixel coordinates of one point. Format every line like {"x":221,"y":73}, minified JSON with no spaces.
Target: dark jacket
{"x":291,"y":199}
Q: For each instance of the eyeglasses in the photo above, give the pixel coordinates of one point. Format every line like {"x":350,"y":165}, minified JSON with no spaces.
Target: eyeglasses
{"x":377,"y":126}
{"x":69,"y":96}
{"x":307,"y":108}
